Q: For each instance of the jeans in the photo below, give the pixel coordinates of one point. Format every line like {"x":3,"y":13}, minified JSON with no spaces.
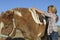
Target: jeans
{"x":53,"y":36}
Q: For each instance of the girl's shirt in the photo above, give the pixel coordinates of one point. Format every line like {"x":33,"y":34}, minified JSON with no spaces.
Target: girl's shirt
{"x":52,"y":23}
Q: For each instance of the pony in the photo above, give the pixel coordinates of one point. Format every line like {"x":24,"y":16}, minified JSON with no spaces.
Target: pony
{"x":30,"y":22}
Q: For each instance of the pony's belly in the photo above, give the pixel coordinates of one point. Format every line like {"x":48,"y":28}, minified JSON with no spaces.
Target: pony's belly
{"x":18,"y":34}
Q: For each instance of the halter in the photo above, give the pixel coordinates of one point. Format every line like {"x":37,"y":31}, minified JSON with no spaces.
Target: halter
{"x":14,"y":26}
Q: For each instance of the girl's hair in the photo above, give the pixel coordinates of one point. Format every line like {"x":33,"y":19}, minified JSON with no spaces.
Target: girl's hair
{"x":57,"y":18}
{"x":53,"y":11}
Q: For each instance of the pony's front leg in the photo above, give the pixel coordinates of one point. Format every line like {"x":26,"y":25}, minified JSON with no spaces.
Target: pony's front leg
{"x":2,"y":38}
{"x":36,"y":38}
{"x":27,"y":36}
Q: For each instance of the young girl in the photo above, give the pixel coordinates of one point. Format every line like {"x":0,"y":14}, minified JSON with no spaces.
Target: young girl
{"x":52,"y":30}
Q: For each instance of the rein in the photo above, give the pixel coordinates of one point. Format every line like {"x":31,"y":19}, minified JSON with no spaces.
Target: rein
{"x":14,"y":26}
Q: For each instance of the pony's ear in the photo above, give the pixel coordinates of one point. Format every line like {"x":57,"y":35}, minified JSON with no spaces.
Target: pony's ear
{"x":3,"y":15}
{"x":10,"y":14}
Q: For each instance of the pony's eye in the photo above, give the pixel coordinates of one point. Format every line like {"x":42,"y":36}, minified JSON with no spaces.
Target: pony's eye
{"x":6,"y":26}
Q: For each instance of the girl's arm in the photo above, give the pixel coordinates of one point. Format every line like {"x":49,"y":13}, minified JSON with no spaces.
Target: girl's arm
{"x":42,"y":12}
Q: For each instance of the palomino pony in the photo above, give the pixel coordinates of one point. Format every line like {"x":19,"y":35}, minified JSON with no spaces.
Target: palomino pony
{"x":28,"y":21}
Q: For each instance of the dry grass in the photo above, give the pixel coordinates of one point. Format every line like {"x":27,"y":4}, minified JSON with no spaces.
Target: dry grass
{"x":59,"y":30}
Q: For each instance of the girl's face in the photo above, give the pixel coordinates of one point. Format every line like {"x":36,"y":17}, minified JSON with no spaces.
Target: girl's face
{"x":51,"y":10}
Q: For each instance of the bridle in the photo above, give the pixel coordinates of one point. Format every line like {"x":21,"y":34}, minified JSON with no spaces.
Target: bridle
{"x":14,"y":27}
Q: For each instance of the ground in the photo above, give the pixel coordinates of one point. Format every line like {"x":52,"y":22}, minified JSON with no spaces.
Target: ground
{"x":59,"y":32}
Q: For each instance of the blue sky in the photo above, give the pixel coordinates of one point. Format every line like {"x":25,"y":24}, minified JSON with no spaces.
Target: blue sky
{"x":40,"y":4}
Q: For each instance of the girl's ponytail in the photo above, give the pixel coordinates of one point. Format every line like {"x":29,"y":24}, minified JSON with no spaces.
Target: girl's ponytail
{"x":57,"y":18}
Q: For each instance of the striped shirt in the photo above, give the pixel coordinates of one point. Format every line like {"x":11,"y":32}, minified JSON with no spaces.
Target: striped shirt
{"x":52,"y":23}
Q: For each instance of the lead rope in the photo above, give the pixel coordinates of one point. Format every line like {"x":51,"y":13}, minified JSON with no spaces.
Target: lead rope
{"x":13,"y":28}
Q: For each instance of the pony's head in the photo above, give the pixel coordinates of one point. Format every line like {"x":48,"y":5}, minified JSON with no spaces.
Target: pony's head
{"x":7,"y":25}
